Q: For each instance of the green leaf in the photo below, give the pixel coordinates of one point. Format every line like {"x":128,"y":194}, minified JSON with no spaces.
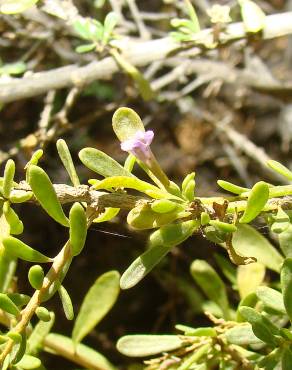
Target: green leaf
{"x":286,"y":284}
{"x":142,"y":265}
{"x":29,"y":362}
{"x":180,"y":36}
{"x":38,"y":335}
{"x":71,"y":351}
{"x":193,"y":16}
{"x":142,"y":217}
{"x":85,"y":48}
{"x":7,"y":268}
{"x":8,"y":177}
{"x":110,"y":22}
{"x":189,"y":191}
{"x":257,"y":199}
{"x":7,"y":305}
{"x":280,"y":191}
{"x":163,"y":206}
{"x":7,"y":261}
{"x":214,"y":235}
{"x":21,"y":250}
{"x":2,"y":181}
{"x":242,"y":335}
{"x":188,"y":187}
{"x":20,"y":347}
{"x":212,"y":308}
{"x":142,"y":83}
{"x":6,"y":363}
{"x":271,"y":298}
{"x":12,"y":69}
{"x":281,"y":222}
{"x":126,"y":123}
{"x":248,"y":242}
{"x":36,"y":276}
{"x":286,"y":333}
{"x":259,"y":325}
{"x":285,"y":241}
{"x":88,"y":29}
{"x":186,"y":24}
{"x":19,"y":299}
{"x":286,"y":358}
{"x":98,"y":301}
{"x":174,"y":189}
{"x":184,"y":328}
{"x":147,"y":345}
{"x":232,"y":188}
{"x":252,"y":15}
{"x":223,"y":226}
{"x":175,"y":234}
{"x":249,"y":277}
{"x":67,"y":161}
{"x":282,"y":170}
{"x":160,"y":242}
{"x":20,"y":196}
{"x":15,"y":336}
{"x":132,"y":183}
{"x":45,"y":193}
{"x":211,"y":284}
{"x":15,"y":224}
{"x":66,"y":303}
{"x":107,"y":215}
{"x":101,"y":163}
{"x":16,"y":6}
{"x":189,"y":177}
{"x":43,"y":314}
{"x":81,"y":26}
{"x":270,"y":361}
{"x":205,"y":218}
{"x":78,"y":228}
{"x":56,"y":284}
{"x":249,"y":301}
{"x":201,"y":332}
{"x":36,"y":156}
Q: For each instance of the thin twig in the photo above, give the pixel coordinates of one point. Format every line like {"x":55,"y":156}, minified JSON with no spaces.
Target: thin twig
{"x":144,"y":33}
{"x":46,"y":114}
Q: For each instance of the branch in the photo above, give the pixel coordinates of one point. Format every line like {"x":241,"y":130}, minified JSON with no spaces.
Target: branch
{"x":97,"y":199}
{"x":138,"y":53}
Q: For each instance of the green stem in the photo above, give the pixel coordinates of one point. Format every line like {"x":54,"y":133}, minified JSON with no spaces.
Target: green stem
{"x":36,"y":299}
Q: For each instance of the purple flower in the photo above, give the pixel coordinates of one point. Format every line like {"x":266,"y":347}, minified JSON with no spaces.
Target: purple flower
{"x":139,"y":145}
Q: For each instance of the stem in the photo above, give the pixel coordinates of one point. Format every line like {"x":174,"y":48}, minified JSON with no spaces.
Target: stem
{"x":36,"y":299}
{"x":282,"y":196}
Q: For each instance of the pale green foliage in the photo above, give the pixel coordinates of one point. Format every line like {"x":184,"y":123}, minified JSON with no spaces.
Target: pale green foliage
{"x":145,"y":345}
{"x":93,"y":31}
{"x":98,"y":301}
